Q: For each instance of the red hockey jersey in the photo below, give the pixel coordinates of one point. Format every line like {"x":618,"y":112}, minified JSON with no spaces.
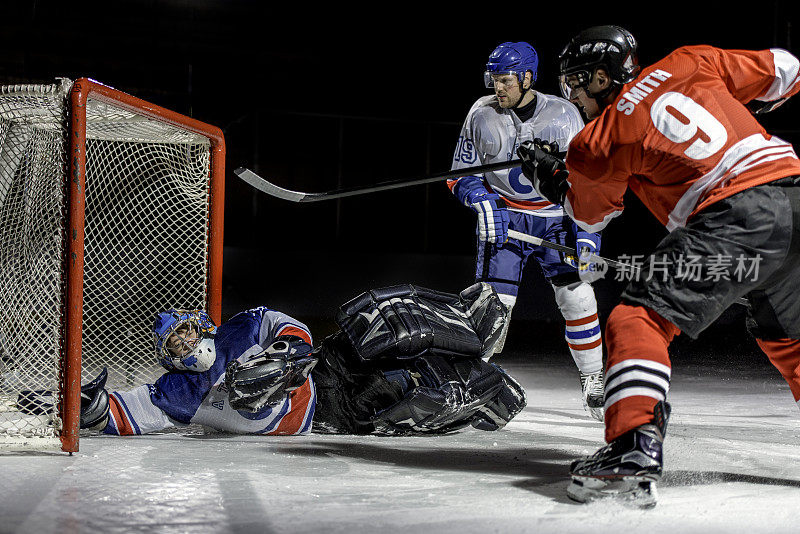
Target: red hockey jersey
{"x":681,"y":138}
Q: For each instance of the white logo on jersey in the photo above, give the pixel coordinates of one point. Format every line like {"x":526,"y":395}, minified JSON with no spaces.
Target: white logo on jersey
{"x":466,"y":151}
{"x":641,"y":90}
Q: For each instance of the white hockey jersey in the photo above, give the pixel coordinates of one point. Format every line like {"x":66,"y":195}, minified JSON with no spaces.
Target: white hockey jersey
{"x":491,"y":134}
{"x":182,"y":397}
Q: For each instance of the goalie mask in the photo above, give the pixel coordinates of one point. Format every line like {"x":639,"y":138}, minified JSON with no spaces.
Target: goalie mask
{"x":184,"y":340}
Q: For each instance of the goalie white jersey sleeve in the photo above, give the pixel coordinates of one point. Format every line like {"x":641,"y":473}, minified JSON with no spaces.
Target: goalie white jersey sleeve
{"x":491,"y":134}
{"x":184,"y":397}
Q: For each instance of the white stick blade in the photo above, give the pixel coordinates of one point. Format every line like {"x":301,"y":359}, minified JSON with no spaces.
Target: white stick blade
{"x":271,"y":189}
{"x":513,"y":234}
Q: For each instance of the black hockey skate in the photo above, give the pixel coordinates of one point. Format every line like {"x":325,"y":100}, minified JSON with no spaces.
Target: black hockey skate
{"x":627,"y":469}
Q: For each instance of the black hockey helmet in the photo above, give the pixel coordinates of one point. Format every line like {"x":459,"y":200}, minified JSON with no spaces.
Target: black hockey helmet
{"x":610,"y":47}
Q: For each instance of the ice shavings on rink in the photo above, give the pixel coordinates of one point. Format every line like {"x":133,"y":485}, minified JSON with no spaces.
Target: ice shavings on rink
{"x":732,"y":465}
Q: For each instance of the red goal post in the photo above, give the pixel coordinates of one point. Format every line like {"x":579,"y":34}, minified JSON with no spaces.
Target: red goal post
{"x":142,"y":211}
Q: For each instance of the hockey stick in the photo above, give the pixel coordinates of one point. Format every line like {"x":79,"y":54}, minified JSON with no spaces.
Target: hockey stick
{"x":565,"y":249}
{"x":635,"y":269}
{"x":299,"y":196}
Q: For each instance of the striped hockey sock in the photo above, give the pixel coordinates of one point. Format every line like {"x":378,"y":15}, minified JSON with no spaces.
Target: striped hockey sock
{"x":585,"y":343}
{"x":785,"y":356}
{"x":638,"y":368}
{"x":582,"y":332}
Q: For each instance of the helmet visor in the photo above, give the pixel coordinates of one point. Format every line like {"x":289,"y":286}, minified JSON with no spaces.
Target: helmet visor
{"x":573,"y":83}
{"x":183,"y":340}
{"x":508,"y":78}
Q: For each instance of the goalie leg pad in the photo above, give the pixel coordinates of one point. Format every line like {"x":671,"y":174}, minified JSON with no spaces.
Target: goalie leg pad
{"x":503,"y":407}
{"x":489,"y":316}
{"x":339,"y":377}
{"x":405,"y":321}
{"x":452,"y":392}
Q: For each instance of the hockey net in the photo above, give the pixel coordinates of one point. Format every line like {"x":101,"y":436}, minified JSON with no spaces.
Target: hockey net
{"x":110,"y":210}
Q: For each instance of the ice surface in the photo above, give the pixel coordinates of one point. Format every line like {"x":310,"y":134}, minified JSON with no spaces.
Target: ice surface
{"x":731,"y":457}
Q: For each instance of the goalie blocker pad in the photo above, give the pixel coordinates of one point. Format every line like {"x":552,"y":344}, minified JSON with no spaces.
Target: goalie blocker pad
{"x":405,"y":321}
{"x":94,"y":402}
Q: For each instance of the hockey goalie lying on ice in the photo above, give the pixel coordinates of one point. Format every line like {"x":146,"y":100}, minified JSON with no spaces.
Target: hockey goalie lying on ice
{"x":406,"y":360}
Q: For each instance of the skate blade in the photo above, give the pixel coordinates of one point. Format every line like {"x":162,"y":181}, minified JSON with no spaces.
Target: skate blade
{"x":596,"y":413}
{"x":637,"y":491}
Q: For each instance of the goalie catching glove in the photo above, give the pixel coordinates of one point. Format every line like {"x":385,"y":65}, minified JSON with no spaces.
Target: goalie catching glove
{"x":544,"y":169}
{"x":267,"y":377}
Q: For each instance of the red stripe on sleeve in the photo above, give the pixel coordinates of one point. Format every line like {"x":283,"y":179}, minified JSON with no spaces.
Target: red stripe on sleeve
{"x":123,"y":424}
{"x":527,"y":204}
{"x":292,"y":422}
{"x":295,"y":331}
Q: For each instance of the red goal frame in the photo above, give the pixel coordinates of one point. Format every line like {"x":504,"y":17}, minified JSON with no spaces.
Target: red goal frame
{"x":82,"y":90}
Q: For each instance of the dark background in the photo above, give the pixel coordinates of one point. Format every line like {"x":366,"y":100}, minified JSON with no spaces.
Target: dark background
{"x":315,"y":98}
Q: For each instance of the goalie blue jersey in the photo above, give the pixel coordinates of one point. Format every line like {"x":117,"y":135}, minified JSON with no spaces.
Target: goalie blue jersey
{"x":182,"y":397}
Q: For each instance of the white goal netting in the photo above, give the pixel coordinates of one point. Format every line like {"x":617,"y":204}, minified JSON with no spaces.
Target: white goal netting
{"x":147,"y":202}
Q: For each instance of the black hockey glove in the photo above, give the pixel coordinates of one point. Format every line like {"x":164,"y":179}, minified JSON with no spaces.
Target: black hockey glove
{"x":758,"y":107}
{"x":94,"y":403}
{"x":547,"y":172}
{"x":265,"y":378}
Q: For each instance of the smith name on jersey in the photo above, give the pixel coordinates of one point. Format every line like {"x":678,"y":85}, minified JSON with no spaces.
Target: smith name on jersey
{"x":182,"y":397}
{"x":681,"y":137}
{"x":491,"y":134}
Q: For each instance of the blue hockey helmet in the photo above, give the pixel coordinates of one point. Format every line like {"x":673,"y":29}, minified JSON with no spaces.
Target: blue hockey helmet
{"x":184,"y":340}
{"x":512,"y":58}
